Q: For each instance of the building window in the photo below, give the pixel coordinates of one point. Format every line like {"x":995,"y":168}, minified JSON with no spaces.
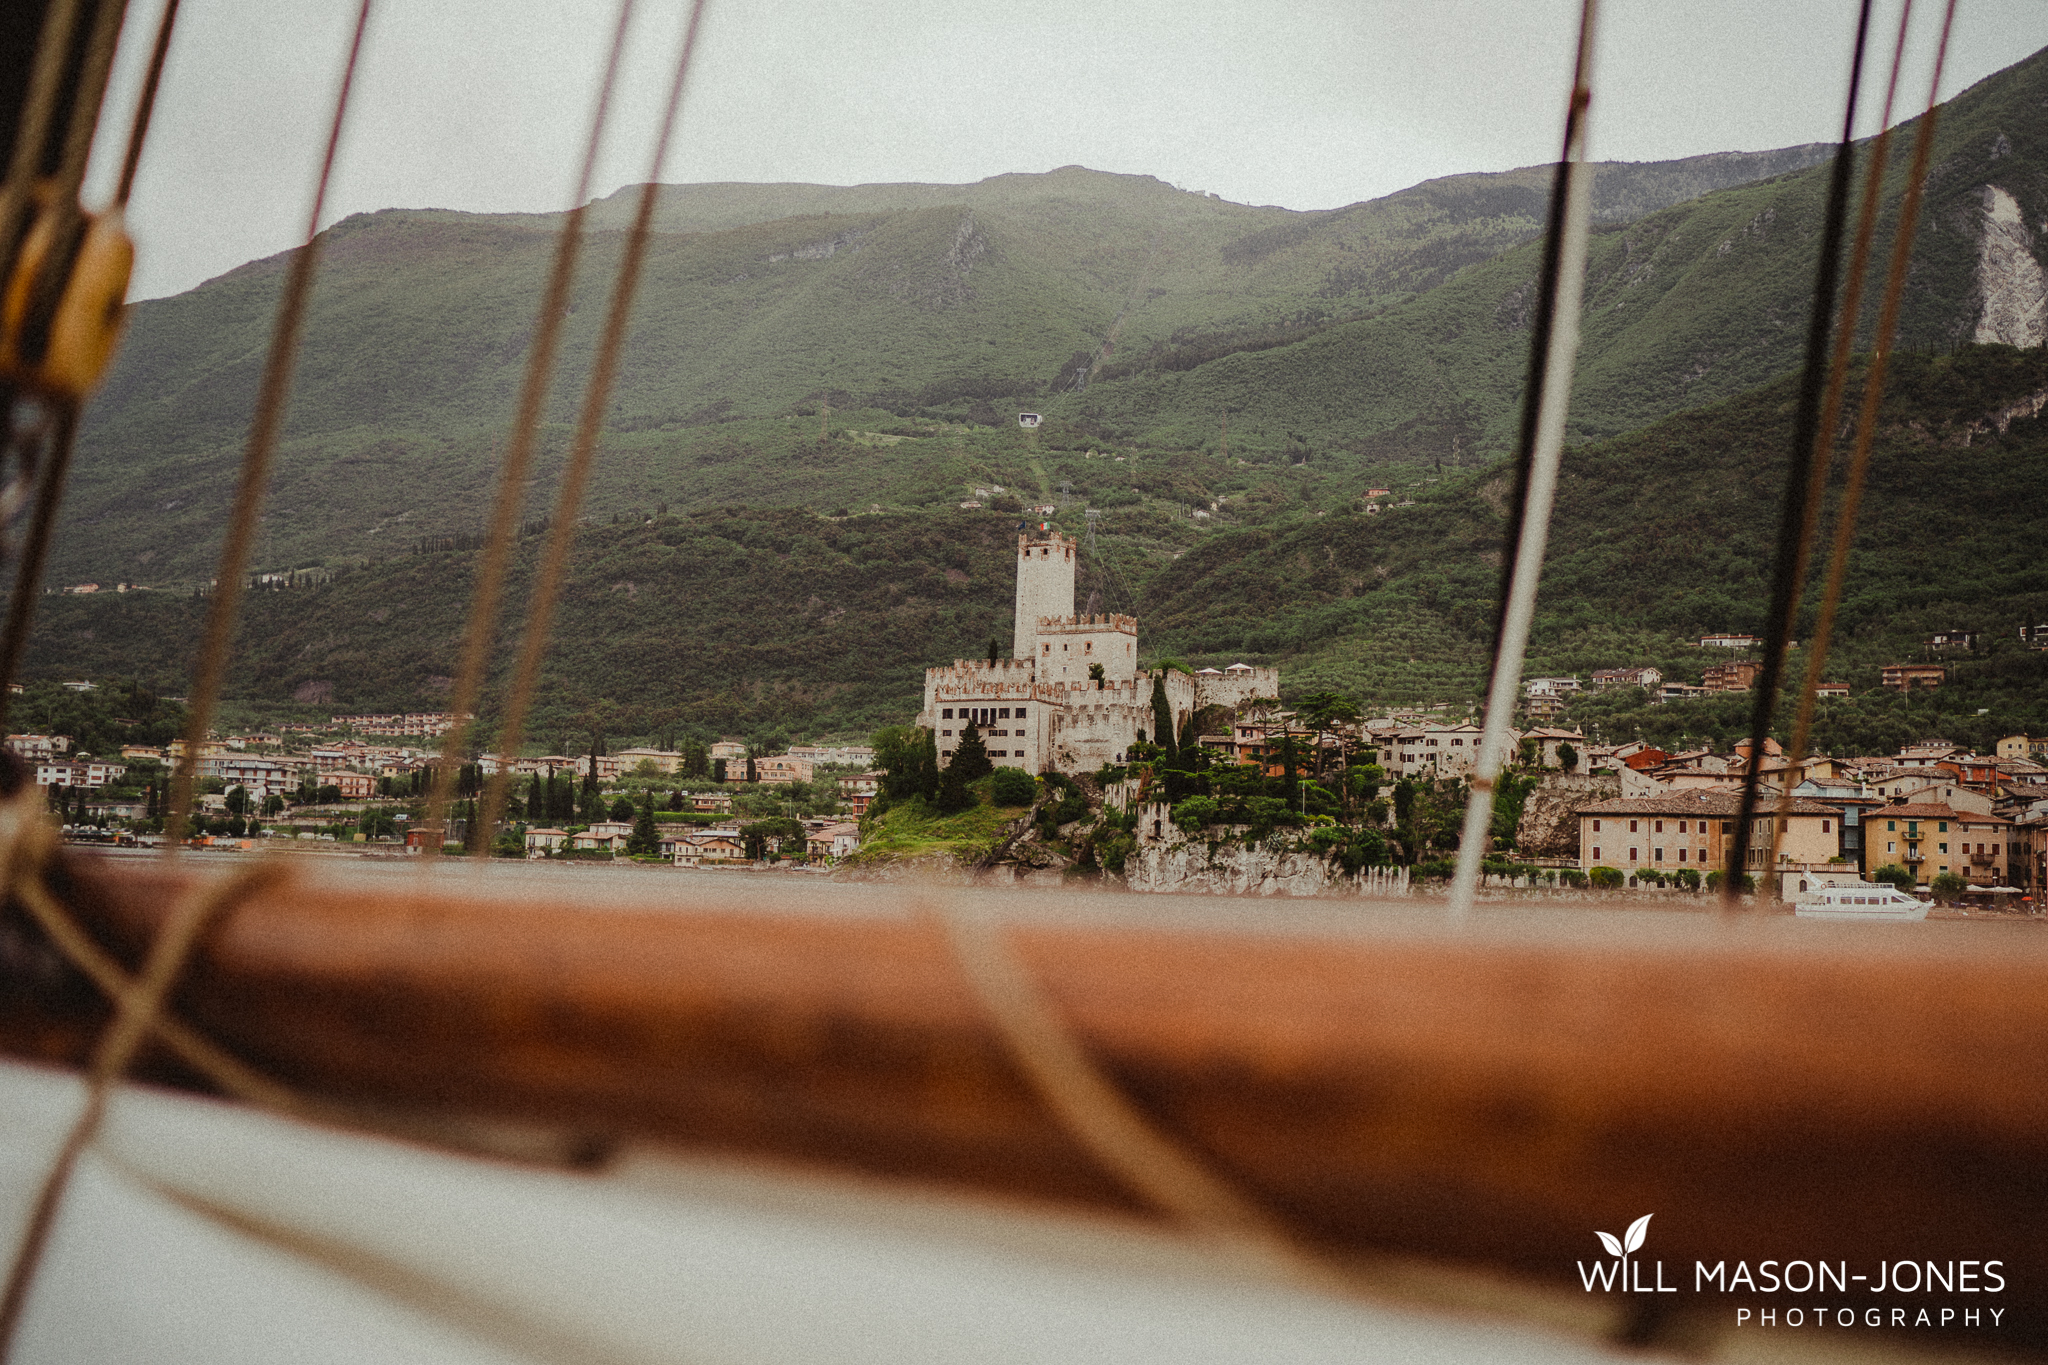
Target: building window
{"x":1891,"y":824}
{"x":1631,"y":855}
{"x":1660,"y":826}
{"x":1457,"y":744}
{"x":1681,"y":855}
{"x":946,"y":714}
{"x":1020,"y":713}
{"x":1827,"y":827}
{"x":1003,"y":714}
{"x":1942,"y":825}
{"x":1633,"y":828}
{"x":1660,"y":855}
{"x":1596,"y":853}
{"x":1596,"y":826}
{"x":946,"y":734}
{"x":1943,"y":848}
{"x":1891,"y":848}
{"x":1048,"y":649}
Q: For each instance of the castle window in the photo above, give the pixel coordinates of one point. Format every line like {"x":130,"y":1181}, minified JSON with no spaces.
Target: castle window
{"x":1048,"y":649}
{"x":1003,"y":714}
{"x":1020,"y":713}
{"x":946,"y":714}
{"x":947,"y":733}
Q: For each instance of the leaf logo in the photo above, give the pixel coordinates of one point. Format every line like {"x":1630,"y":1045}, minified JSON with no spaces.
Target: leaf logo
{"x":1632,"y":1240}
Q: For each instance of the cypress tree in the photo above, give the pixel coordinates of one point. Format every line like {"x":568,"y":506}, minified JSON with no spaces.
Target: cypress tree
{"x":536,"y":800}
{"x":1162,"y":717}
{"x":971,"y":759}
{"x":645,"y":839}
{"x":928,"y":767}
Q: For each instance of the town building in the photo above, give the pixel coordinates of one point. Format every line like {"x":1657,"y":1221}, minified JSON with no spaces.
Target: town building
{"x":1071,"y":697}
{"x":858,"y":792}
{"x":833,"y":841}
{"x":2023,"y":746}
{"x":712,"y":848}
{"x":1906,"y":677}
{"x":1627,"y":677}
{"x":783,"y":768}
{"x":664,"y":760}
{"x":1739,"y":676}
{"x":1667,"y":834}
{"x":1930,"y":838}
{"x":541,"y":842}
{"x":1729,"y":641}
{"x":1444,"y":751}
{"x":607,"y":836}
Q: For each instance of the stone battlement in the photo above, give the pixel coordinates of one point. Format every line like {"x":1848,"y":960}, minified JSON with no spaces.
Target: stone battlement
{"x":1051,"y":624}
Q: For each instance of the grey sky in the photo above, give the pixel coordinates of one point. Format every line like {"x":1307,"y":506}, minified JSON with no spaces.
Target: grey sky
{"x":483,"y":104}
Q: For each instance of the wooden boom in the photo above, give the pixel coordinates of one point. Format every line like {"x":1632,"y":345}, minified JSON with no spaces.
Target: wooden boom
{"x":1770,"y":1091}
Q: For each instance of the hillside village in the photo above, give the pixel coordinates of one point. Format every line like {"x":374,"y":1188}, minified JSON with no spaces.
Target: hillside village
{"x":1068,"y":757}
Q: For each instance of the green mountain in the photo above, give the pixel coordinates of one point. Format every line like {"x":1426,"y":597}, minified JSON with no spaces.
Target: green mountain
{"x":1685,"y":305}
{"x":738,"y":620}
{"x":932,"y":303}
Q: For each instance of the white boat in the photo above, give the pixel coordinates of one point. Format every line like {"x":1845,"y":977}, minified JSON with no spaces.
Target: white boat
{"x":1861,"y":900}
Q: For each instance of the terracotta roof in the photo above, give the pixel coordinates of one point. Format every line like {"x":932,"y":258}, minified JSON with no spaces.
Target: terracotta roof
{"x":1701,"y":803}
{"x":1927,"y":810}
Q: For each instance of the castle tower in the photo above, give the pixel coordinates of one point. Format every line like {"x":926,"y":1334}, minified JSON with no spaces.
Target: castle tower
{"x":1045,"y":585}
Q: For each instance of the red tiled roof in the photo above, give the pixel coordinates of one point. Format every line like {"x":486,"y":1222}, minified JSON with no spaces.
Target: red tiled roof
{"x":1927,"y":810}
{"x":1702,"y":802}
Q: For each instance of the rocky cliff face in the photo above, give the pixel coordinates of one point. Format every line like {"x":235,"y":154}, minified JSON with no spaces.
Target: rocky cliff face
{"x":1186,"y":867}
{"x":2009,"y":277}
{"x":1550,"y":824}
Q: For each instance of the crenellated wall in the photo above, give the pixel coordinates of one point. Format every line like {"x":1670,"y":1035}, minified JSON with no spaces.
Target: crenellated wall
{"x":1067,"y":645}
{"x":1235,"y":689}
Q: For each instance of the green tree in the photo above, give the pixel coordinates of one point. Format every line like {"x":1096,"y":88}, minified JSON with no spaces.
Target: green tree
{"x":1327,"y":713}
{"x":696,"y":761}
{"x":971,"y":759}
{"x":1162,"y":716}
{"x":718,"y":770}
{"x":1095,"y":676}
{"x":1013,"y":787}
{"x":238,"y":801}
{"x":909,"y":759}
{"x":1947,"y":886}
{"x":1567,"y":756}
{"x":645,"y":839}
{"x":1891,"y":874}
{"x":622,"y":809}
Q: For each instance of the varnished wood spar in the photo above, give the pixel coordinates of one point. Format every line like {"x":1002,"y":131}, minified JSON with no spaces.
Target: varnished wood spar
{"x":1776,"y":1093}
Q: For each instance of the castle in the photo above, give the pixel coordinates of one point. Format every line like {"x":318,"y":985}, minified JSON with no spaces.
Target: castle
{"x":1044,"y":709}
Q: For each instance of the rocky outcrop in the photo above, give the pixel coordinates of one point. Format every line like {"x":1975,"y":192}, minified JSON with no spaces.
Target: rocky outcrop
{"x":2009,"y":276}
{"x":1232,"y":868}
{"x":1550,"y":822}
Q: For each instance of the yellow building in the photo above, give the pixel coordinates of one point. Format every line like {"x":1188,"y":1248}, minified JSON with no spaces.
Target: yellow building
{"x":1667,"y":834}
{"x":1929,"y":838}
